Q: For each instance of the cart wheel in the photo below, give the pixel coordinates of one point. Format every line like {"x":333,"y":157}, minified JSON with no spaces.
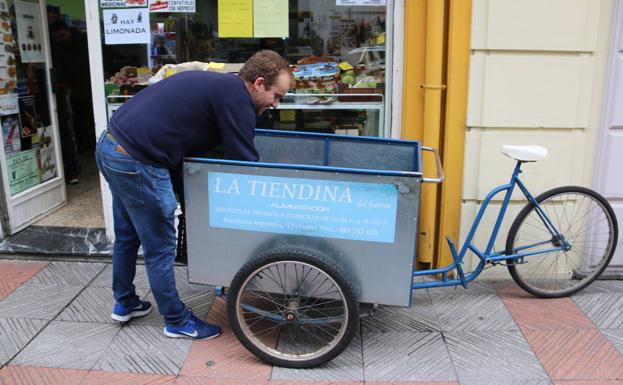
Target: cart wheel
{"x":292,"y":308}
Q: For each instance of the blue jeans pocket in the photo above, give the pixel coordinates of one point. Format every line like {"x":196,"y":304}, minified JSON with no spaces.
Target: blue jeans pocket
{"x":125,"y":181}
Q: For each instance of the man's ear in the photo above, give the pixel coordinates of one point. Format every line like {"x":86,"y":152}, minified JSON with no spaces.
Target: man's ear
{"x":258,"y":83}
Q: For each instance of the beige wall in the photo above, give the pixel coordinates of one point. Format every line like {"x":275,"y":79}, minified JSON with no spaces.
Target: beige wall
{"x":537,"y":76}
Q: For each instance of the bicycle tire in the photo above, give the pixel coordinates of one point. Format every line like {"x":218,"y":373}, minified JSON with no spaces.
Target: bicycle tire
{"x":593,"y":242}
{"x":257,"y":311}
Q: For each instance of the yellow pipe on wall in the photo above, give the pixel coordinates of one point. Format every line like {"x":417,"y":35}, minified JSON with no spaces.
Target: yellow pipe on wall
{"x":433,"y":89}
{"x":431,"y":56}
{"x":455,"y":122}
{"x":414,"y":69}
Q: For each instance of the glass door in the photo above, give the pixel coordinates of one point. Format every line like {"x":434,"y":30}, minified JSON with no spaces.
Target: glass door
{"x":31,"y":168}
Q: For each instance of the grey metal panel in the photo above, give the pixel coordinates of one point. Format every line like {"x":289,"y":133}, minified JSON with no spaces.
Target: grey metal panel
{"x":381,"y":272}
{"x":337,"y":151}
{"x":279,"y":149}
{"x":373,"y":155}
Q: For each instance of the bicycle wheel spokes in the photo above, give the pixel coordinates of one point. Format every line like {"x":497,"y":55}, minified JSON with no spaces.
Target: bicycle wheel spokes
{"x":292,"y":310}
{"x":572,"y":260}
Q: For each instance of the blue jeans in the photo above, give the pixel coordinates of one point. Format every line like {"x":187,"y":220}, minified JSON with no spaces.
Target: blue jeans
{"x":143,"y":206}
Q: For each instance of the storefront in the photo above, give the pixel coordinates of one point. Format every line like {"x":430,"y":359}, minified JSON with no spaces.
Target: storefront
{"x":342,"y":53}
{"x":339,"y":52}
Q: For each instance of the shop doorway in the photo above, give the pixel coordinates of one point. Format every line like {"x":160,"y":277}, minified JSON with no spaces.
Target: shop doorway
{"x":72,"y":89}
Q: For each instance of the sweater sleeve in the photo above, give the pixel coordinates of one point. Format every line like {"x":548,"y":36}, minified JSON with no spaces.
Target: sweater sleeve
{"x":236,"y":122}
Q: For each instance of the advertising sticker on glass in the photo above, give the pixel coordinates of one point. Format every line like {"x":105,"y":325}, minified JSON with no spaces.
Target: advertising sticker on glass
{"x":9,"y":119}
{"x":29,"y":34}
{"x":172,"y":6}
{"x":23,"y":171}
{"x":28,"y":116}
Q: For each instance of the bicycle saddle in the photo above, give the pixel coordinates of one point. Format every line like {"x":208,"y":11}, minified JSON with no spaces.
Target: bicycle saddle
{"x":525,"y":153}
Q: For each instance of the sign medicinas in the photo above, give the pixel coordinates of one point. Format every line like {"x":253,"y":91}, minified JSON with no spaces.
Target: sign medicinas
{"x":171,"y":5}
{"x":122,"y":3}
{"x":311,"y":207}
{"x":29,"y":36}
{"x":126,"y":26}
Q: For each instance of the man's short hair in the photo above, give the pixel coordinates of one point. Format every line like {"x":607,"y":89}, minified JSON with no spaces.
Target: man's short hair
{"x":265,"y":64}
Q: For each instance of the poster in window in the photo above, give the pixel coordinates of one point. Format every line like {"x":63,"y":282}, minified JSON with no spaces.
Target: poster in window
{"x":28,"y":116}
{"x":23,"y":171}
{"x":126,"y":26}
{"x":8,"y":71}
{"x":47,"y":160}
{"x":270,"y":18}
{"x":235,"y":18}
{"x":9,"y":120}
{"x":29,"y":35}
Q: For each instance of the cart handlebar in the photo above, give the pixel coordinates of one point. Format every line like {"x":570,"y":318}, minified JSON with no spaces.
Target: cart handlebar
{"x":439,"y":177}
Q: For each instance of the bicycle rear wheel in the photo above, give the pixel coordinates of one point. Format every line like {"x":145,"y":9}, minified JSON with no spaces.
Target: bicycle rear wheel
{"x":585,"y":220}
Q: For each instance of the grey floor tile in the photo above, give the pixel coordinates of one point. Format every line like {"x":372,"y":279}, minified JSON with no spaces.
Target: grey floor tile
{"x":604,"y":309}
{"x":94,"y":304}
{"x":15,"y":333}
{"x":406,"y":357}
{"x":144,"y":349}
{"x":348,"y":366}
{"x":615,"y":336}
{"x":472,"y":312}
{"x":68,"y":273}
{"x":70,"y":345}
{"x":604,"y":286}
{"x":104,"y":279}
{"x":420,"y":317}
{"x":493,"y":356}
{"x":38,"y":301}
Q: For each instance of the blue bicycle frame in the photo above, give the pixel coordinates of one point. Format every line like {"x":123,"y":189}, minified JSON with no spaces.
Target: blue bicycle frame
{"x":489,"y":257}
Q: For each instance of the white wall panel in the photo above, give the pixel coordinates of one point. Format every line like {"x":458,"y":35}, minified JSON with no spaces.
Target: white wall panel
{"x":519,"y":90}
{"x":486,"y":167}
{"x":612,"y":175}
{"x":560,"y":25}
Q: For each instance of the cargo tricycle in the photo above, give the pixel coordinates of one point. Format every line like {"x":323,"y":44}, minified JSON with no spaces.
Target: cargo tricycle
{"x":324,"y":223}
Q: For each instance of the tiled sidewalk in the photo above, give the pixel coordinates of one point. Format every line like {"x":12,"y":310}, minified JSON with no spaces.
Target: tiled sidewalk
{"x":55,"y":328}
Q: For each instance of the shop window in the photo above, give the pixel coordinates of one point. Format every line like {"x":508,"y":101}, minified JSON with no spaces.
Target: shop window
{"x":338,"y":55}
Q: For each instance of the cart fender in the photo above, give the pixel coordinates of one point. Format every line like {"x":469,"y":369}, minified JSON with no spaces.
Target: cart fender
{"x":316,"y":246}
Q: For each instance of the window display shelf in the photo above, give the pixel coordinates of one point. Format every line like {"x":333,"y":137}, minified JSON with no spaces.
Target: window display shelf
{"x":332,"y":102}
{"x":378,"y":107}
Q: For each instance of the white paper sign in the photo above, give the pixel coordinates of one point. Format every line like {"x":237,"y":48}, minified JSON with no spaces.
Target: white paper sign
{"x":361,"y":2}
{"x":29,"y":32}
{"x":171,"y":5}
{"x":122,"y":3}
{"x":126,"y":26}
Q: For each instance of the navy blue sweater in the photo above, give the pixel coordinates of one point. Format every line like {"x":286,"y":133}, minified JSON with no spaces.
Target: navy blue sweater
{"x":186,"y":115}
